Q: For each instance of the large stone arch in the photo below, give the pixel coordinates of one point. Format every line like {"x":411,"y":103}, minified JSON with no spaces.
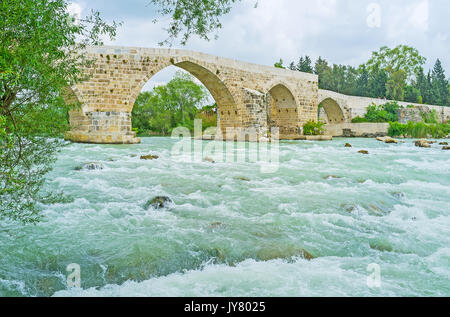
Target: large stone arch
{"x":333,"y":111}
{"x":283,"y":110}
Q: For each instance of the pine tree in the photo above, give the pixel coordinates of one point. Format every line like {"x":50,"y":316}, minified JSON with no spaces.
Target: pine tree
{"x":363,"y":82}
{"x":439,"y":84}
{"x":305,"y":65}
{"x":292,"y":66}
{"x":377,"y":83}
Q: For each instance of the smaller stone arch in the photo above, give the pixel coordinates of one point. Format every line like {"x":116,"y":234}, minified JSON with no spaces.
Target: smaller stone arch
{"x":283,"y":110}
{"x":333,"y":111}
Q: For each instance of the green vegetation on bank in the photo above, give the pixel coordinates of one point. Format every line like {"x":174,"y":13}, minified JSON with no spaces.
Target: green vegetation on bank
{"x":176,"y":104}
{"x":419,"y":130}
{"x":430,"y":127}
{"x":395,"y":74}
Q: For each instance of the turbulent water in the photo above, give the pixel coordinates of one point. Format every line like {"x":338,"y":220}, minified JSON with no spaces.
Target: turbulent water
{"x":235,"y":231}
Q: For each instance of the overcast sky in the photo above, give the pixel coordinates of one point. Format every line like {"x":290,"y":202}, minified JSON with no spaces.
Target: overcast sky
{"x":342,"y":31}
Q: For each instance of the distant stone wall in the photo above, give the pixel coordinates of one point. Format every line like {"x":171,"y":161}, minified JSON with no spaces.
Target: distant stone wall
{"x":353,"y":106}
{"x":367,"y":130}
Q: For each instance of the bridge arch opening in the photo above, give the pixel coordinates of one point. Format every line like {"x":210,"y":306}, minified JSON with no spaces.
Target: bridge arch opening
{"x":220,"y":96}
{"x":332,"y":112}
{"x":282,"y":112}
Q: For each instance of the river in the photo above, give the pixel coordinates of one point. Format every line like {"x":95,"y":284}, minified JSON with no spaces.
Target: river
{"x":375,"y":225}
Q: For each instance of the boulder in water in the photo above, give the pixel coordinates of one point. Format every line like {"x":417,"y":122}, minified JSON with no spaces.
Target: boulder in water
{"x":328,"y":177}
{"x":242,"y":178}
{"x":348,"y":145}
{"x":149,"y":157}
{"x":210,"y":160}
{"x":443,"y":143}
{"x":446,"y":148}
{"x":390,"y":140}
{"x":285,"y":253}
{"x":387,"y":139}
{"x":215,"y":225}
{"x":158,"y":202}
{"x":363,"y":152}
{"x":422,"y":143}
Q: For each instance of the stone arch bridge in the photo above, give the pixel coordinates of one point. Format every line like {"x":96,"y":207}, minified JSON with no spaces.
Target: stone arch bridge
{"x":247,"y":95}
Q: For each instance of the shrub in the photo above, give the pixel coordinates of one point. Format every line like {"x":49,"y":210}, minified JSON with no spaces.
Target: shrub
{"x":384,"y":113}
{"x":313,"y":128}
{"x":359,"y":120}
{"x":419,"y":129}
{"x":430,"y":117}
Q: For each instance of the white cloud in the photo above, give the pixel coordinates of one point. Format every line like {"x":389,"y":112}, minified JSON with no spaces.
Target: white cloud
{"x":334,"y":29}
{"x":419,"y":14}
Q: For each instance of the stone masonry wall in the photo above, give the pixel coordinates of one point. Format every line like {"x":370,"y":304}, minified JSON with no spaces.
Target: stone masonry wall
{"x":354,"y":106}
{"x":119,"y":73}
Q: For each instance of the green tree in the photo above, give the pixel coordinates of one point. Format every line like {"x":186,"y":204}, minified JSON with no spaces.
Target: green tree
{"x":395,"y":85}
{"x":402,"y":57}
{"x":279,"y":64}
{"x":192,"y":17}
{"x":169,"y":106}
{"x":292,"y":66}
{"x":412,"y":94}
{"x":377,"y":83}
{"x":323,"y":70}
{"x":41,"y":54}
{"x":439,"y":85}
{"x":305,"y":65}
{"x":362,"y":82}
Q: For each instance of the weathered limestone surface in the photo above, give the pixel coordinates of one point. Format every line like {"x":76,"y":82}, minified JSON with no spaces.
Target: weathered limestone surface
{"x":357,"y":129}
{"x":247,"y":95}
{"x":339,"y":108}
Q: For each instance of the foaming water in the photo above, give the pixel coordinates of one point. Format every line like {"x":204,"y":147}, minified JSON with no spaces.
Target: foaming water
{"x":235,"y":231}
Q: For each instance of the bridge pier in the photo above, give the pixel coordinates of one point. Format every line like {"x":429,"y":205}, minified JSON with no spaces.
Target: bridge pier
{"x":101,"y":127}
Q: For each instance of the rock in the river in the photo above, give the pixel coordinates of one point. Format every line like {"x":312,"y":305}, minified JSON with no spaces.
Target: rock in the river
{"x":348,"y":145}
{"x":443,"y":143}
{"x":158,"y":202}
{"x":273,"y":253}
{"x":90,"y":167}
{"x":149,"y":157}
{"x":422,"y":143}
{"x":363,"y":152}
{"x":210,"y":160}
{"x":446,"y":148}
{"x":327,"y":177}
{"x":390,"y":140}
{"x":215,"y":225}
{"x":242,"y":178}
{"x":387,"y":139}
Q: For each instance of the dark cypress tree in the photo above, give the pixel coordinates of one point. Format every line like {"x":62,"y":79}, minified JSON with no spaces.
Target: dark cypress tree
{"x":305,"y":65}
{"x":439,"y":84}
{"x":377,"y":83}
{"x":362,"y":83}
{"x":292,"y":66}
